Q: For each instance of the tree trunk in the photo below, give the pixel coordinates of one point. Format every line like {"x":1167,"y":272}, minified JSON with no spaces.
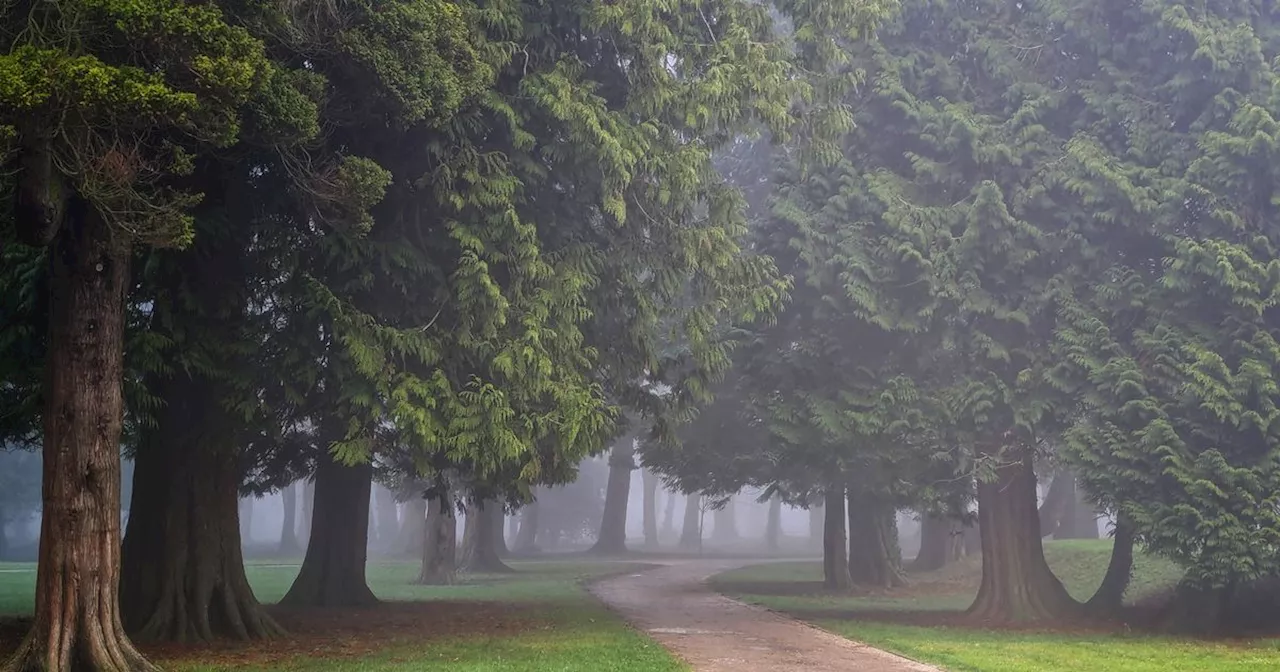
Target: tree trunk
{"x":1110,"y":595}
{"x":289,"y":528}
{"x":333,"y":570}
{"x":941,"y":543}
{"x":527,"y":537}
{"x":469,"y":527}
{"x":835,"y":559}
{"x":499,"y":539}
{"x":308,"y":508}
{"x":612,"y":539}
{"x":669,"y":516}
{"x":875,"y":558}
{"x":513,"y":530}
{"x":726,"y":524}
{"x":691,"y":533}
{"x":816,"y":522}
{"x":439,"y":547}
{"x":77,"y":624}
{"x":388,"y":517}
{"x":650,"y":481}
{"x":773,"y":528}
{"x":412,"y":526}
{"x":1017,"y":584}
{"x":481,"y":538}
{"x":183,"y":570}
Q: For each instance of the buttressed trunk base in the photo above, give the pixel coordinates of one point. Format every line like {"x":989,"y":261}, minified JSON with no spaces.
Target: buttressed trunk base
{"x":1017,"y":584}
{"x":77,"y":624}
{"x":333,"y":571}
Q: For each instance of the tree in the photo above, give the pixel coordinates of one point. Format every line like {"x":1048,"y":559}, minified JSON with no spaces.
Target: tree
{"x":289,"y":526}
{"x":612,"y":539}
{"x":151,"y":86}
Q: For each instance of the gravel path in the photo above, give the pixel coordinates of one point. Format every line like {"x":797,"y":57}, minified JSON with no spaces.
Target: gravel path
{"x":713,"y":633}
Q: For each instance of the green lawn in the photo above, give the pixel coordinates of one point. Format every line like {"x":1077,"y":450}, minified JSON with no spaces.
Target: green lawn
{"x":540,"y":618}
{"x":795,"y":588}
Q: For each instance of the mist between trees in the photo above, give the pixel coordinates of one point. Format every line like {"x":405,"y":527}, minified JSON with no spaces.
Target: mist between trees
{"x":1007,"y":266}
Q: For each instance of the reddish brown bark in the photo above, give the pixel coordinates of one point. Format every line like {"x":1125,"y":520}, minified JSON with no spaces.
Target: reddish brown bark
{"x":333,"y":570}
{"x":1017,"y":584}
{"x":184,"y":577}
{"x":77,"y":624}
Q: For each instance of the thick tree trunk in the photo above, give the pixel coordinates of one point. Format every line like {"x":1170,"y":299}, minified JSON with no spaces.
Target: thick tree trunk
{"x":527,"y":537}
{"x":77,"y":624}
{"x":439,"y":547}
{"x":835,"y":559}
{"x":1056,"y":504}
{"x":726,"y":524}
{"x":412,"y":526}
{"x":333,"y":570}
{"x":875,"y":558}
{"x":773,"y":526}
{"x":308,"y":508}
{"x":941,"y":543}
{"x":650,"y":481}
{"x":388,"y":517}
{"x":481,"y":538}
{"x":1110,"y":595}
{"x":183,"y":571}
{"x":1017,"y":584}
{"x":612,"y":539}
{"x":289,"y":528}
{"x":691,"y":533}
{"x":669,"y":516}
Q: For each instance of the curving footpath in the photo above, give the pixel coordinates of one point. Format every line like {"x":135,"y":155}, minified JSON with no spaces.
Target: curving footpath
{"x":713,"y":633}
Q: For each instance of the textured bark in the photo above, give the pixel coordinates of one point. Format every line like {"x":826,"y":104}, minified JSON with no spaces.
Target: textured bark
{"x":1057,"y":503}
{"x":650,"y":481}
{"x":77,"y":624}
{"x":183,"y":571}
{"x":726,"y":524}
{"x":333,"y":570}
{"x":387,"y":516}
{"x":439,"y":546}
{"x":773,"y":525}
{"x":835,"y":558}
{"x":289,"y":528}
{"x":875,"y":558}
{"x":612,"y":539}
{"x":691,"y":533}
{"x":1017,"y":584}
{"x":481,"y":540}
{"x":816,"y":522}
{"x":941,"y":543}
{"x":669,"y":516}
{"x":527,"y":537}
{"x":1110,"y":595}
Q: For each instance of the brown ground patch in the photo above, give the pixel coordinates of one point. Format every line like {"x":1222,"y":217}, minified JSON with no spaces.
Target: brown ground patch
{"x":340,"y":633}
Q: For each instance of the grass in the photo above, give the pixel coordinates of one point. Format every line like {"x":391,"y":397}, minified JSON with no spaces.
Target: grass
{"x":795,"y":588}
{"x":539,"y":618}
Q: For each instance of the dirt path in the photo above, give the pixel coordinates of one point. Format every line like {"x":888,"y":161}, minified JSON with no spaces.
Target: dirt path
{"x":712,"y":633}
